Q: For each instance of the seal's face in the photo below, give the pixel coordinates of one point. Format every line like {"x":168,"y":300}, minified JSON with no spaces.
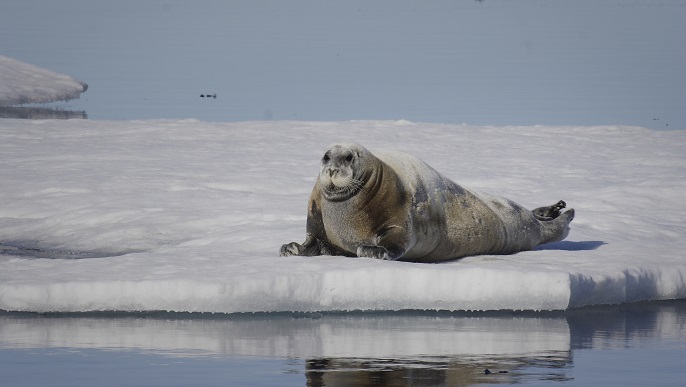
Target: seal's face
{"x":342,"y":172}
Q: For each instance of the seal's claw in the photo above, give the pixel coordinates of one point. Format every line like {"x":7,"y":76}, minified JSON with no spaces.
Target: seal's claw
{"x":377,"y":252}
{"x":291,"y":249}
{"x":549,"y":212}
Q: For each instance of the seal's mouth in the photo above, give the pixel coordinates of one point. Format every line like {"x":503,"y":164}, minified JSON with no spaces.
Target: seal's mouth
{"x":334,"y":192}
{"x":334,"y":189}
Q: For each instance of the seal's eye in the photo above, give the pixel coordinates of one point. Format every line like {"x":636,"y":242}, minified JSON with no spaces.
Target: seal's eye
{"x":349,"y":158}
{"x":326,"y":158}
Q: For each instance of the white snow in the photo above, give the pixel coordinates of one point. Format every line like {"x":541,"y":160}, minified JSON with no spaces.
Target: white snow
{"x":186,"y":215}
{"x":22,"y":83}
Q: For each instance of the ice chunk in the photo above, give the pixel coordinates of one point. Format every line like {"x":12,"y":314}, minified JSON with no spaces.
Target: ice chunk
{"x":189,"y":216}
{"x":22,"y":83}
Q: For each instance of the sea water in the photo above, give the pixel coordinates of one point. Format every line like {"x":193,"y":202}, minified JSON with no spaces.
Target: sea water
{"x":492,"y":62}
{"x":633,"y":345}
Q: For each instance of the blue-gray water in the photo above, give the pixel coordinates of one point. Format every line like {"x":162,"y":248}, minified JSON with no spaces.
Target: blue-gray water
{"x":629,"y":345}
{"x":491,"y":62}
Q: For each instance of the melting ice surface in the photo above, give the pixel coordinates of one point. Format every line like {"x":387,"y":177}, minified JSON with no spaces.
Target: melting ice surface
{"x":183,"y":215}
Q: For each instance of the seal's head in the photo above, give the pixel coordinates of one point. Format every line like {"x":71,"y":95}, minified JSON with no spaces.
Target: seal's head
{"x":344,"y":171}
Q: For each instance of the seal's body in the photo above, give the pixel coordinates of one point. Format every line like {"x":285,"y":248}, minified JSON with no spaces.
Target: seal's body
{"x":391,"y":205}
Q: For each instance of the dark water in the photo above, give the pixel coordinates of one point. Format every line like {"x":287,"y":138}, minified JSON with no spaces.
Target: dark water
{"x":492,"y":62}
{"x":629,"y":345}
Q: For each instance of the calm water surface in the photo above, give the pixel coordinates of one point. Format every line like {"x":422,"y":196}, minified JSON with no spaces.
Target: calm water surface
{"x":630,"y":345}
{"x":491,"y":62}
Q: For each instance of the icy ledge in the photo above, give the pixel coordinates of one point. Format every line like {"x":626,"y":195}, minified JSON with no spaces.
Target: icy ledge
{"x":189,"y":216}
{"x":336,"y":284}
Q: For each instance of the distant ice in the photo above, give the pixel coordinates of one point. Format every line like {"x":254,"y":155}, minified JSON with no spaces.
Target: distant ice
{"x":186,"y":215}
{"x":22,"y":83}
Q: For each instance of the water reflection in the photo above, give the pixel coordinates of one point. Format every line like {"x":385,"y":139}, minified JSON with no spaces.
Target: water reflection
{"x":34,"y":113}
{"x":452,"y":372}
{"x":368,"y":349}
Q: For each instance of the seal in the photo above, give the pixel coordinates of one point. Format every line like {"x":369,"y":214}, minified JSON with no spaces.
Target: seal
{"x":393,"y":206}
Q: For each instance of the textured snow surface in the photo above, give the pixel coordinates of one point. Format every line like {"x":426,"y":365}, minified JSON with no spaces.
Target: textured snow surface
{"x":189,"y":216}
{"x":22,"y":83}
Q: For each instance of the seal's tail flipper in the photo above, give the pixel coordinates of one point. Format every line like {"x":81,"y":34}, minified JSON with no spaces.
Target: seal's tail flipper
{"x":557,"y":229}
{"x":549,"y":212}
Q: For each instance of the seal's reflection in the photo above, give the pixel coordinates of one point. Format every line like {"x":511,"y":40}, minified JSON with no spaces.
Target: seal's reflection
{"x":452,"y":371}
{"x":375,"y":372}
{"x":448,"y":349}
{"x":366,"y":349}
{"x":591,"y":328}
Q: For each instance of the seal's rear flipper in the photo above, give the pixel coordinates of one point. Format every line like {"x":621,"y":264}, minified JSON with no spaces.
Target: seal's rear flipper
{"x":549,"y":212}
{"x":557,"y":229}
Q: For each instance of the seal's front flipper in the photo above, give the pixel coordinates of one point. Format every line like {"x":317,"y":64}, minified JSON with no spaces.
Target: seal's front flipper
{"x":389,"y":244}
{"x":549,"y":212}
{"x":377,"y":252}
{"x":310,"y":247}
{"x":292,"y":248}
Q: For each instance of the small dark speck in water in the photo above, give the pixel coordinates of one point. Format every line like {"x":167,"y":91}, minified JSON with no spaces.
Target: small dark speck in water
{"x":488,"y":372}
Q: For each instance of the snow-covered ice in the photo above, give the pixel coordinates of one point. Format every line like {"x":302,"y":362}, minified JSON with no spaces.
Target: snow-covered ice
{"x":186,"y":215}
{"x":22,"y":83}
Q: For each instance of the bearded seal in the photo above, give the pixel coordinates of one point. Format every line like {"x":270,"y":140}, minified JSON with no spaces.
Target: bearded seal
{"x":393,"y":206}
